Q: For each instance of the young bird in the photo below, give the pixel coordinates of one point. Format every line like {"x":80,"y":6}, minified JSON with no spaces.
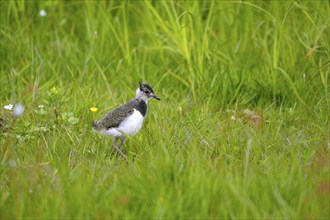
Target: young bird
{"x":127,"y":119}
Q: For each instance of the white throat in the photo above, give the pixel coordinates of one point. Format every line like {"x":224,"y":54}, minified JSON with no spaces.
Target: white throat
{"x":141,"y":95}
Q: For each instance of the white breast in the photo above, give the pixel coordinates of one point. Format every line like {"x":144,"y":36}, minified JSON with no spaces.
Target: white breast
{"x":130,"y":126}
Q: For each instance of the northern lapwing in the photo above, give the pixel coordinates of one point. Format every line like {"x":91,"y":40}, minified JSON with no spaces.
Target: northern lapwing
{"x":127,"y":119}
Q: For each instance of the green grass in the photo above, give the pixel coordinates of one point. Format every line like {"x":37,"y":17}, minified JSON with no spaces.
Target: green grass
{"x":242,"y":130}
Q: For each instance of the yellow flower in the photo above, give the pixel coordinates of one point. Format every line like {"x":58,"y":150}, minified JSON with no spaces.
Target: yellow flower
{"x":53,"y":90}
{"x":93,"y":109}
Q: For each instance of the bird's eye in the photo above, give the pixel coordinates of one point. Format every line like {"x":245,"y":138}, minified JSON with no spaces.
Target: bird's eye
{"x":146,"y":92}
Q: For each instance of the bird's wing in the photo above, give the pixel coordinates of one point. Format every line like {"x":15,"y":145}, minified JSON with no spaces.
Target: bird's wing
{"x":114,"y":117}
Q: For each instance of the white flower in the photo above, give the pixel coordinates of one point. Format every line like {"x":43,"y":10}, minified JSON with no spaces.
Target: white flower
{"x":40,"y":106}
{"x":18,"y":110}
{"x":42,"y":13}
{"x":8,"y":107}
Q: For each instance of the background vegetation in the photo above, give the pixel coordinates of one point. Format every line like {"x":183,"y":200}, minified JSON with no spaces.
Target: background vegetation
{"x":242,"y":130}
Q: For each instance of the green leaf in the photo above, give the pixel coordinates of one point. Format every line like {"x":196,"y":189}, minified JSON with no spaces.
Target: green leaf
{"x":72,"y":120}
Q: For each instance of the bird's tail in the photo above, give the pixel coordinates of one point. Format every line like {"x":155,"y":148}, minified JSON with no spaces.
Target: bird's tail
{"x":95,"y":126}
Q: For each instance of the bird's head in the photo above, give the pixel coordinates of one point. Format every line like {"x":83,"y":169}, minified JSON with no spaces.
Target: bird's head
{"x":145,"y":92}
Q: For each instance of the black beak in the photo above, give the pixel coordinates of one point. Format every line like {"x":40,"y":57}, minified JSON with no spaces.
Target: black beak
{"x":155,"y":97}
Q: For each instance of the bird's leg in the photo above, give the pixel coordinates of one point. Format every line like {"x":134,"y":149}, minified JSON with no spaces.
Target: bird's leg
{"x":122,"y":140}
{"x":115,"y":141}
{"x":118,"y":149}
{"x":113,"y":144}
